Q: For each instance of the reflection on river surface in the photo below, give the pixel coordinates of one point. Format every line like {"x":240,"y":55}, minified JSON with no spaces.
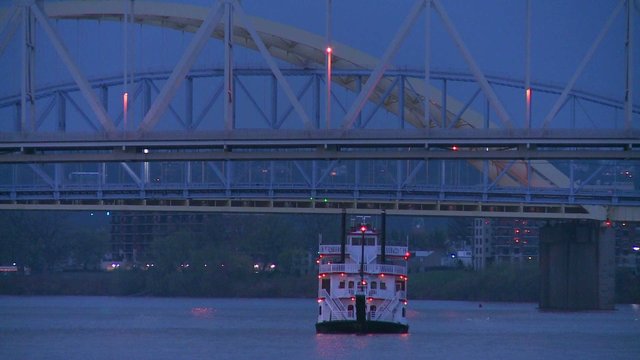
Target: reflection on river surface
{"x":186,"y":328}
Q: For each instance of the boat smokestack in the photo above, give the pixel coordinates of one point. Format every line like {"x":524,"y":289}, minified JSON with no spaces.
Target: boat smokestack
{"x":343,"y":239}
{"x":383,"y":238}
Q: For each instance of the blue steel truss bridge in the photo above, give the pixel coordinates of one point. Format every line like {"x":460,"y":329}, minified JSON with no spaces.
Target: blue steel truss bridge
{"x":258,"y":115}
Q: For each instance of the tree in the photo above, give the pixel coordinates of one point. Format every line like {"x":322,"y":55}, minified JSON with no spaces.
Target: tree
{"x":437,"y":240}
{"x":87,"y":247}
{"x":38,"y":240}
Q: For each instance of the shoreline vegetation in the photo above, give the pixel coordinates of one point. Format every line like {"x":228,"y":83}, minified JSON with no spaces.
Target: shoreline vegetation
{"x":224,"y":257}
{"x":503,"y":284}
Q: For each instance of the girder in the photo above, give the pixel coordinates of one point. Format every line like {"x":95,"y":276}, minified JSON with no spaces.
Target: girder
{"x":249,"y":144}
{"x":453,"y":132}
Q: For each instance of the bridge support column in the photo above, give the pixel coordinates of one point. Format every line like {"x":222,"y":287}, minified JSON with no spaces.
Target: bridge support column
{"x":577,"y":264}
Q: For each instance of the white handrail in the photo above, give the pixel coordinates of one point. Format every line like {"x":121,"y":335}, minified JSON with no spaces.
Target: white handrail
{"x":336,"y":307}
{"x":389,"y":310}
{"x":368,"y":268}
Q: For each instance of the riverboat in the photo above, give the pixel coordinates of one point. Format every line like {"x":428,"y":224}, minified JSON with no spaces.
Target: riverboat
{"x":362,"y":282}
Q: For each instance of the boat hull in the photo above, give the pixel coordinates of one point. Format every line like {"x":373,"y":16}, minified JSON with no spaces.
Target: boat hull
{"x":358,"y":327}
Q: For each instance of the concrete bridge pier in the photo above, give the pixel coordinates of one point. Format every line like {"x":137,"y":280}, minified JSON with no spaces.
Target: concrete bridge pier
{"x":577,"y":264}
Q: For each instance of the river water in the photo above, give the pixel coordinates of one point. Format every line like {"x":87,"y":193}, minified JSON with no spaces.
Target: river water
{"x":184,"y":328}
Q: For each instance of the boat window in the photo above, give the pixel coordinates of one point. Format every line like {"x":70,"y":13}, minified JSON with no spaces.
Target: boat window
{"x":350,"y":284}
{"x":320,"y":310}
{"x":374,"y":285}
{"x":399,"y":285}
{"x":404,"y":312}
{"x":350,"y":311}
{"x":368,"y":240}
{"x":383,"y":285}
{"x":341,"y":285}
{"x":326,"y":285}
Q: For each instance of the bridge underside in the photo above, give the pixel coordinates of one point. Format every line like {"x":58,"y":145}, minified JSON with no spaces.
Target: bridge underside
{"x":320,"y":205}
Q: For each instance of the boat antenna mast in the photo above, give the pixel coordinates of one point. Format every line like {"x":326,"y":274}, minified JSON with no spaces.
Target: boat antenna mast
{"x":363,"y":229}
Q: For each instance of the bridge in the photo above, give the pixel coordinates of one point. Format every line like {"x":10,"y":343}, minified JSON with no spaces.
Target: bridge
{"x":251,"y":114}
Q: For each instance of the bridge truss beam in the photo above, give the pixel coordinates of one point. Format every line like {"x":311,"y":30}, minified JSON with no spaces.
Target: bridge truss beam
{"x":400,"y":158}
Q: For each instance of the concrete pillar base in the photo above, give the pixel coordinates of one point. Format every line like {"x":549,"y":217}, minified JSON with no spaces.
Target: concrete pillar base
{"x":577,"y":266}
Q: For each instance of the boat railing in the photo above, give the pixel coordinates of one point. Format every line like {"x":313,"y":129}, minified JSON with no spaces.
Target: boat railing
{"x":390,"y":250}
{"x":368,"y":268}
{"x":387,"y":309}
{"x":336,"y":307}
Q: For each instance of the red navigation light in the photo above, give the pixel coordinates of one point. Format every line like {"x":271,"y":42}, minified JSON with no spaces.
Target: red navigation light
{"x":607,"y":223}
{"x":455,"y":148}
{"x":382,"y":275}
{"x":528,"y":95}
{"x":370,"y":299}
{"x":364,"y":282}
{"x":320,"y":300}
{"x":329,"y":50}
{"x":407,"y":254}
{"x":363,"y":228}
{"x":353,"y":298}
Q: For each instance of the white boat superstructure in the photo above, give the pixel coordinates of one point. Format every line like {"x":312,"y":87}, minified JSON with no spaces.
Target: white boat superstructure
{"x":362,"y":283}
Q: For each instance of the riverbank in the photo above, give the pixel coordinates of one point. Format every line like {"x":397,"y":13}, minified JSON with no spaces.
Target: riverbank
{"x":496,"y":284}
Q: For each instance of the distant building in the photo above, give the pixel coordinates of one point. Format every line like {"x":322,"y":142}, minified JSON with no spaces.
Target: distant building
{"x":627,"y":245}
{"x":422,"y":260}
{"x":500,"y":241}
{"x":504,"y":241}
{"x":132,"y":232}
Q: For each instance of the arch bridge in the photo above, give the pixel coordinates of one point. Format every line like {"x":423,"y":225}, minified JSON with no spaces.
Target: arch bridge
{"x":317,"y":126}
